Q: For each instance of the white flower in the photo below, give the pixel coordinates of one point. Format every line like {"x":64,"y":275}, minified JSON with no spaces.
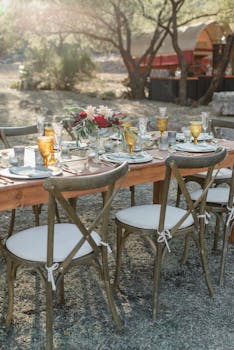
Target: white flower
{"x":90,"y":111}
{"x":105,"y":111}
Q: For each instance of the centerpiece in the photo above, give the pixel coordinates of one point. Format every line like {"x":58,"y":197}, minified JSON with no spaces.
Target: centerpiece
{"x":80,"y":123}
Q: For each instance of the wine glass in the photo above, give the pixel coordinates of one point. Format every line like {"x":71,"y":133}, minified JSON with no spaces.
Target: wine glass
{"x":196,"y":129}
{"x":40,"y":124}
{"x":58,"y":131}
{"x":46,"y":148}
{"x":130,"y":137}
{"x":162,"y":124}
{"x":142,"y":126}
{"x":205,"y":122}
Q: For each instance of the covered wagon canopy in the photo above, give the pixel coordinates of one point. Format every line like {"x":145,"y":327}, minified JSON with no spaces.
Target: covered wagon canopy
{"x":194,"y":40}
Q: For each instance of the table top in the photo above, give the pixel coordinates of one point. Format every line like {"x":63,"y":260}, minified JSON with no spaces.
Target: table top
{"x":18,"y":193}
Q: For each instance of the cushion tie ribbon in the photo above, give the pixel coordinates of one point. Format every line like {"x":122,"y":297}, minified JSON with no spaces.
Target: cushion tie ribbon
{"x":51,"y":275}
{"x":163,"y":236}
{"x":105,"y":244}
{"x":205,"y":216}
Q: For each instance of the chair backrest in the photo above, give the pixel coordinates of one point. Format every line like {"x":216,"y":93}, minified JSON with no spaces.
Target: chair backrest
{"x":174,"y":165}
{"x":6,"y":132}
{"x":222,"y":128}
{"x":100,"y":182}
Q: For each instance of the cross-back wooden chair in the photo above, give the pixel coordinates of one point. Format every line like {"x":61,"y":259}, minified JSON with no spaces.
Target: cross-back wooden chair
{"x":161,"y":223}
{"x":20,"y":131}
{"x":220,"y":129}
{"x":220,"y":202}
{"x":54,"y":248}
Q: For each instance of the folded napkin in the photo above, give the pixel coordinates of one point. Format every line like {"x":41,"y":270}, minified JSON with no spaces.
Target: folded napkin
{"x":191,"y":147}
{"x":31,"y":171}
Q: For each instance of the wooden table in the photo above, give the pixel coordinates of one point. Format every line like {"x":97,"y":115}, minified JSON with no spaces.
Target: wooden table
{"x":29,"y":192}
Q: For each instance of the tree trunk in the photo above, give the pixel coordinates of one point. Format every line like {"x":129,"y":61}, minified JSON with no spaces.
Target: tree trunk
{"x":137,"y":84}
{"x":183,"y":86}
{"x":219,"y":74}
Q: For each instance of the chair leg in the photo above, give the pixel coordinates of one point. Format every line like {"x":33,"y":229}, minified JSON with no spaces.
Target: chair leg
{"x":156,"y":280}
{"x":132,"y":190}
{"x":204,"y":261}
{"x":36,"y":211}
{"x":119,"y":248}
{"x":49,"y":316}
{"x":184,"y":257}
{"x":11,"y":273}
{"x":61,"y":298}
{"x":224,"y":253}
{"x":216,"y":232}
{"x":12,"y":223}
{"x":109,"y":294}
{"x":178,"y":195}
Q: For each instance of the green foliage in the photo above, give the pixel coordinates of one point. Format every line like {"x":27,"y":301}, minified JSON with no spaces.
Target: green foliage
{"x":54,"y":70}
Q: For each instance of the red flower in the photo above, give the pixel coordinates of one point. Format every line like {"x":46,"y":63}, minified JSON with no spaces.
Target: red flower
{"x":101,"y":121}
{"x":83,"y":115}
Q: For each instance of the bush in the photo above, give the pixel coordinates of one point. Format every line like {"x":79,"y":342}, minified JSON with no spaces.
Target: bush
{"x":60,"y":71}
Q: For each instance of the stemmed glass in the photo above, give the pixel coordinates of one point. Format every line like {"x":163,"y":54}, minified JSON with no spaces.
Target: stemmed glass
{"x":196,"y":129}
{"x":131,"y":138}
{"x":162,"y":124}
{"x":40,"y":124}
{"x":46,"y":148}
{"x":205,"y":122}
{"x":58,"y":131}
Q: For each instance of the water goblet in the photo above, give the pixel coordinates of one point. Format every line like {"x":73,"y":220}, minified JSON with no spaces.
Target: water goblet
{"x":162,"y":124}
{"x":130,"y":135}
{"x":196,"y":129}
{"x":46,"y":148}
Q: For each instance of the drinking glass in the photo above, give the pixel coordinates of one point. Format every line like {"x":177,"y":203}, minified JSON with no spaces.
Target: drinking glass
{"x":162,"y":124}
{"x":205,"y":121}
{"x":40,"y":124}
{"x":142,"y":126}
{"x":131,"y":138}
{"x":46,"y":148}
{"x":58,"y":131}
{"x":196,"y":129}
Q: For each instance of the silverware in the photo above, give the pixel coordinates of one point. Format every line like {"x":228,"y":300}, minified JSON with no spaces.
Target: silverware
{"x":66,"y":168}
{"x":5,"y":179}
{"x":158,"y":157}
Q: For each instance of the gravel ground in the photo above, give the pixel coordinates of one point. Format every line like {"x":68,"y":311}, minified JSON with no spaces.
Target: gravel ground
{"x":188,"y":318}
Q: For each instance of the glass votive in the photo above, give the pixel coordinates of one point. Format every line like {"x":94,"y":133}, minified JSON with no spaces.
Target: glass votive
{"x":171,"y":137}
{"x":187,"y":134}
{"x":19,"y":154}
{"x":163,"y":143}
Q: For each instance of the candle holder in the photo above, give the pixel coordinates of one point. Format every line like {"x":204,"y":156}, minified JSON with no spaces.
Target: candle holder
{"x":196,"y":129}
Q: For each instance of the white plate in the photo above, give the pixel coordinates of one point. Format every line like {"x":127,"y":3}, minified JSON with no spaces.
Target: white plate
{"x":28,"y":172}
{"x":191,"y":147}
{"x":119,"y":157}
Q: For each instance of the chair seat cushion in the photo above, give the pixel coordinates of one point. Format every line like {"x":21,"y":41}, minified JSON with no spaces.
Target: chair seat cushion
{"x":224,"y":173}
{"x":218,"y":195}
{"x":147,"y":216}
{"x":31,"y":244}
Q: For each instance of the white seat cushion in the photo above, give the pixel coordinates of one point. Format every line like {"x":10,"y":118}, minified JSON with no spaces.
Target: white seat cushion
{"x":218,"y":195}
{"x":147,"y":216}
{"x":224,"y":173}
{"x":31,"y":244}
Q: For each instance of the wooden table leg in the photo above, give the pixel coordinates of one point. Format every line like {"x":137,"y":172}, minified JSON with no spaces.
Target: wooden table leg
{"x":157,"y":192}
{"x":231,"y":239}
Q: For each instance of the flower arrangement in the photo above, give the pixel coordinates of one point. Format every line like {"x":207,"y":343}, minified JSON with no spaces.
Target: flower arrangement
{"x":81,"y":122}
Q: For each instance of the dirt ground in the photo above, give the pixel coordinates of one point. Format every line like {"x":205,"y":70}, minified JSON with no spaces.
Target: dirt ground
{"x":17,"y":107}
